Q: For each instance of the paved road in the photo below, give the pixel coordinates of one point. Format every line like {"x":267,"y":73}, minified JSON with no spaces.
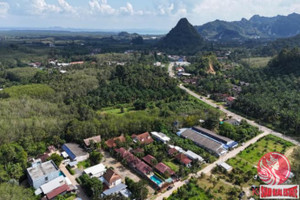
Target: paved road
{"x":81,"y":194}
{"x":231,"y":154}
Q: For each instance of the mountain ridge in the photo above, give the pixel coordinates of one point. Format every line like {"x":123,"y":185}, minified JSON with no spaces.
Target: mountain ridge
{"x":257,"y":27}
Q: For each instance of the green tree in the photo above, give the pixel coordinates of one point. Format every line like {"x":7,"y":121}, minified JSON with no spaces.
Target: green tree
{"x":95,"y":157}
{"x":57,"y":159}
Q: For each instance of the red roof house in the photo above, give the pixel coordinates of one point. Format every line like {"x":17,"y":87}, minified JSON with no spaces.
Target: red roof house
{"x":172,"y":151}
{"x":60,"y":190}
{"x":113,"y":141}
{"x":95,"y":139}
{"x":143,"y":138}
{"x":164,"y":169}
{"x":150,"y":160}
{"x":111,"y":178}
{"x":183,"y":159}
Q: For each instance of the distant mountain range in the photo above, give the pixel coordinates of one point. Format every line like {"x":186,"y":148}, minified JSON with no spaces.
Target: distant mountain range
{"x":183,"y":37}
{"x":257,"y":27}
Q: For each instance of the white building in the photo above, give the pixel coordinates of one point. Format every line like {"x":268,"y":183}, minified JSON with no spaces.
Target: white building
{"x":95,"y":171}
{"x":225,"y":166}
{"x":160,"y":136}
{"x":194,"y":156}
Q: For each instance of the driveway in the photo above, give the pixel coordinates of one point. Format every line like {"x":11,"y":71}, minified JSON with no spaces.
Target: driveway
{"x":109,"y":161}
{"x":81,"y":194}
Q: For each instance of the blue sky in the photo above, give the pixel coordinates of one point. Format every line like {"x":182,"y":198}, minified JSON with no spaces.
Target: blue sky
{"x":134,"y":14}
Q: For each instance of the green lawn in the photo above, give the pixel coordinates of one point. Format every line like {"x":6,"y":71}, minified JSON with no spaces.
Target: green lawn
{"x":83,"y":164}
{"x":172,"y":165}
{"x":257,"y":62}
{"x":267,"y":144}
{"x":247,"y":160}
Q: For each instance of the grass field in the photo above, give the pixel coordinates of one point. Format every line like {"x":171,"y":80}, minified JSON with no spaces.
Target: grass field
{"x":267,"y":144}
{"x":83,"y":164}
{"x":172,"y":165}
{"x":257,"y":62}
{"x":218,"y":188}
{"x":244,"y":164}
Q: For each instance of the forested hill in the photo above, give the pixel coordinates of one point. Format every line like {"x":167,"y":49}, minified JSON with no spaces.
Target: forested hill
{"x":256,"y":27}
{"x":182,"y":37}
{"x":287,"y":62}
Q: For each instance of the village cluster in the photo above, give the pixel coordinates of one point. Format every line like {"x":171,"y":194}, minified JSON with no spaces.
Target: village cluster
{"x":50,"y":180}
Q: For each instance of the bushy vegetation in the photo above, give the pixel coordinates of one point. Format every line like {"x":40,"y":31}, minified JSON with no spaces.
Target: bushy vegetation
{"x":13,"y":191}
{"x":191,"y":191}
{"x":138,"y":189}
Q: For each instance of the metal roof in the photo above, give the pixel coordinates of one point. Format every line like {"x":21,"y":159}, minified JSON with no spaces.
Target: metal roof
{"x":204,"y":141}
{"x":51,"y":185}
{"x":114,"y":190}
{"x":95,"y":169}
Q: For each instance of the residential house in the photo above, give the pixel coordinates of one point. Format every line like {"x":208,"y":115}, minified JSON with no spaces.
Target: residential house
{"x":161,"y":137}
{"x":183,"y":159}
{"x":111,"y":143}
{"x":41,"y":173}
{"x":172,"y":151}
{"x":134,"y":162}
{"x":230,"y":100}
{"x":95,"y":171}
{"x":164,"y":169}
{"x":95,"y":140}
{"x":233,"y":122}
{"x":119,"y":189}
{"x":51,"y":185}
{"x":75,"y":152}
{"x":143,"y":138}
{"x":150,"y":160}
{"x":58,"y":191}
{"x":111,"y":178}
{"x":77,"y":63}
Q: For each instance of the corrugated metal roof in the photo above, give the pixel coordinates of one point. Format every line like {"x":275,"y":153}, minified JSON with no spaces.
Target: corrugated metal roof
{"x":115,"y":189}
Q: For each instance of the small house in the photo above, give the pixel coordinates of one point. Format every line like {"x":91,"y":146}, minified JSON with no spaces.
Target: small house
{"x":75,"y":152}
{"x":111,"y":143}
{"x":95,"y":171}
{"x":41,"y":173}
{"x":183,"y":159}
{"x":95,"y":140}
{"x":225,"y":166}
{"x":161,"y":137}
{"x":111,"y":178}
{"x":143,"y":138}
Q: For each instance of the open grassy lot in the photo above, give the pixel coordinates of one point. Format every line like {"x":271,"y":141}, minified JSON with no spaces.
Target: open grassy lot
{"x":267,"y":144}
{"x":172,"y":165}
{"x":219,"y":188}
{"x":244,"y":164}
{"x":257,"y":62}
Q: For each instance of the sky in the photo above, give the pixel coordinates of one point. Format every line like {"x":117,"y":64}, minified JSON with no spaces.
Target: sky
{"x":134,"y":14}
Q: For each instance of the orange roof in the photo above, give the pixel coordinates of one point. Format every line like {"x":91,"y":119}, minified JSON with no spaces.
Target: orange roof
{"x":110,"y":176}
{"x":57,"y":191}
{"x":112,"y":142}
{"x":95,"y":139}
{"x":143,"y":138}
{"x":183,"y":158}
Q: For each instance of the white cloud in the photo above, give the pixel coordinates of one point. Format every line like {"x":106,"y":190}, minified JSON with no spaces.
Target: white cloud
{"x":4,"y":7}
{"x":41,"y":7}
{"x":129,"y":10}
{"x":66,"y":6}
{"x":103,"y":7}
{"x":166,"y":10}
